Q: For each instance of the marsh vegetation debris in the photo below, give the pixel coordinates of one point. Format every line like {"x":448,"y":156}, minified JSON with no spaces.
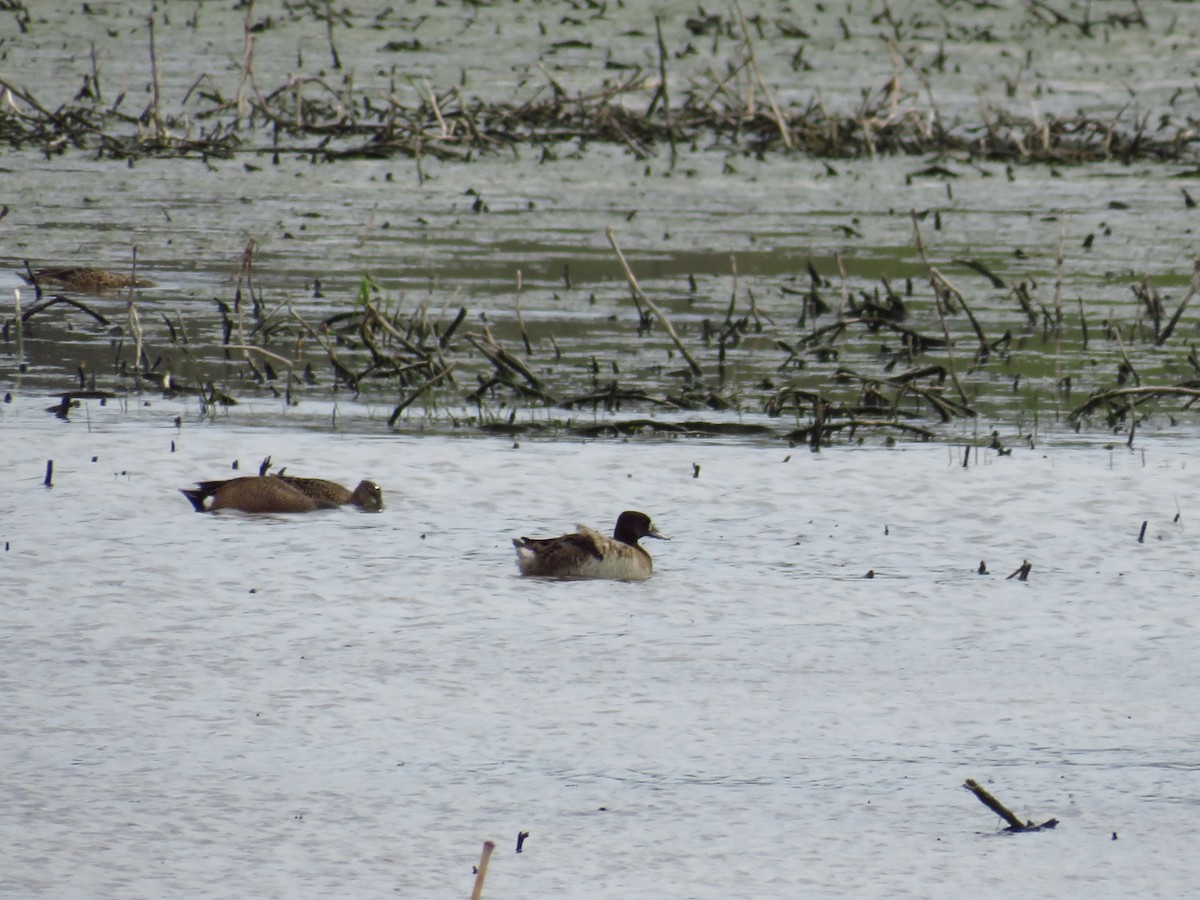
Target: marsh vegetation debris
{"x":843,"y":368}
{"x":833,"y":353}
{"x":658,"y":90}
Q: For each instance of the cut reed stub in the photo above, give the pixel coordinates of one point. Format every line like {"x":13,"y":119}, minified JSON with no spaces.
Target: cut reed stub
{"x":1022,"y":571}
{"x":481,"y":869}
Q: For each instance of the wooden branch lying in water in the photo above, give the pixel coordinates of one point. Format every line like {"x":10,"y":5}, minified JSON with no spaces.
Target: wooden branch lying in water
{"x":1126,"y":398}
{"x":1015,"y":825}
{"x":804,"y":435}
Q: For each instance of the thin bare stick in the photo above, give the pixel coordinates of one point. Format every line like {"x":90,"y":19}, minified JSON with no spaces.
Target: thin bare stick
{"x":946,"y":285}
{"x":426,"y":385}
{"x":437,"y":112}
{"x":247,"y":59}
{"x":663,"y":89}
{"x":160,"y":130}
{"x":338,"y":367}
{"x":1058,"y":276}
{"x":666,"y":323}
{"x":1192,"y":291}
{"x":135,"y":324}
{"x":845,"y":295}
{"x":481,"y":869}
{"x":95,"y":76}
{"x":20,"y":324}
{"x":337,"y":61}
{"x":941,"y":315}
{"x":778,"y":116}
{"x":1137,"y":379}
{"x":282,"y":360}
{"x":520,"y":318}
{"x":1137,"y":394}
{"x":992,"y":803}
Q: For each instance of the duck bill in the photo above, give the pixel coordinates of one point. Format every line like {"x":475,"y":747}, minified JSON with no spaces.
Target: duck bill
{"x":655,"y":533}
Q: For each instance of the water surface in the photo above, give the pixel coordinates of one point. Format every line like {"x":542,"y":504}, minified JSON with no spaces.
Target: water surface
{"x":350,"y":704}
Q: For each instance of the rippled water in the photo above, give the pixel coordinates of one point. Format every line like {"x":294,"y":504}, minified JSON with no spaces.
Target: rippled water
{"x":344,"y":704}
{"x":349,"y":705}
{"x":416,"y":231}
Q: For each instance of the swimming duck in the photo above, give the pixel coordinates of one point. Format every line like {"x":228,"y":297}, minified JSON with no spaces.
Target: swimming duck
{"x":281,"y":494}
{"x":84,"y":280}
{"x":367,"y":496}
{"x":589,"y":554}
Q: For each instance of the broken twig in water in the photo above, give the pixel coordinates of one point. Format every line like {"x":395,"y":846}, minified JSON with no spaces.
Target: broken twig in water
{"x":1022,"y":571}
{"x":1015,"y":825}
{"x":1193,"y":289}
{"x":659,"y":314}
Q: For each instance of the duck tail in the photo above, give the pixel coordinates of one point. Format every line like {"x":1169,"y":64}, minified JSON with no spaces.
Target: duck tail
{"x":196,"y":496}
{"x":200,"y":493}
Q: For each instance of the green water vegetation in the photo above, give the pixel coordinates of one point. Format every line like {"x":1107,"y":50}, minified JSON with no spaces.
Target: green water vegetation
{"x":856,"y":357}
{"x":835,"y":347}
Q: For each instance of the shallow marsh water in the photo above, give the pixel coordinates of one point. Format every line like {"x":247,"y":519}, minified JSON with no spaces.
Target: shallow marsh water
{"x":415,"y":229}
{"x":349,"y":704}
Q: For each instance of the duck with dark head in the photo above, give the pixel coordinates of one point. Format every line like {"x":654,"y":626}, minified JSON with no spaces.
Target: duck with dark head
{"x":588,"y":554}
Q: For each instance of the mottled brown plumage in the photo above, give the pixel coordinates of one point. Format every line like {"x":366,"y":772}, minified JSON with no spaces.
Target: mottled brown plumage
{"x":84,"y":280}
{"x":281,"y":494}
{"x":367,"y":495}
{"x":589,"y":554}
{"x":252,"y":494}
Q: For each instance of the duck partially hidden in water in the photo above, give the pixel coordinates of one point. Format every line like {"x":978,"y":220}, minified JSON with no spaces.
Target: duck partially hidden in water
{"x":589,"y":554}
{"x":282,"y":494}
{"x":84,"y":280}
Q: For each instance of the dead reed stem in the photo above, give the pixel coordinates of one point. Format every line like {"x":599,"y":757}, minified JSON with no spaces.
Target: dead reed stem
{"x":337,"y":60}
{"x":938,"y":279}
{"x":411,"y":398}
{"x":160,"y":130}
{"x":992,"y":803}
{"x":661,"y":316}
{"x":521,"y":319}
{"x":941,"y":313}
{"x":1058,"y":269}
{"x":664,"y":90}
{"x":749,"y":45}
{"x":263,"y":351}
{"x":1193,"y":289}
{"x":19,"y":324}
{"x":1121,"y":395}
{"x":481,"y":869}
{"x":247,"y":62}
{"x":135,"y":325}
{"x":1125,"y":357}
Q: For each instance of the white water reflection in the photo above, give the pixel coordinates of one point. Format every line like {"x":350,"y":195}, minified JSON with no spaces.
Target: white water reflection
{"x":348,"y":705}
